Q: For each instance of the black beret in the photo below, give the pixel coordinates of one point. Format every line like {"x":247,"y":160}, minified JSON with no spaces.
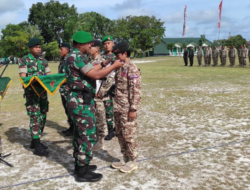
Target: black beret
{"x":64,"y":45}
{"x":120,"y":47}
{"x":33,"y":42}
{"x":96,"y":43}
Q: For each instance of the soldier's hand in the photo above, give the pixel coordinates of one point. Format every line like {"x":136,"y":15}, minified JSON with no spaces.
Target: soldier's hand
{"x":98,"y":96}
{"x":118,"y":64}
{"x":131,"y":116}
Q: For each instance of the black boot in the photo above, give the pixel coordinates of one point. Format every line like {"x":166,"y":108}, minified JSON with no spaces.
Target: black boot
{"x":32,"y":145}
{"x":85,"y":175}
{"x":111,"y":133}
{"x":91,"y":168}
{"x":70,"y":131}
{"x":65,"y":131}
{"x":39,"y":150}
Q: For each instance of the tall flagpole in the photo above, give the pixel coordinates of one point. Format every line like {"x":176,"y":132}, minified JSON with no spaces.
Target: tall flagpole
{"x":185,"y":20}
{"x":219,"y":23}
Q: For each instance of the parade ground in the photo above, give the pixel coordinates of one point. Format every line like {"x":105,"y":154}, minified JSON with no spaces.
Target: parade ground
{"x":193,"y":133}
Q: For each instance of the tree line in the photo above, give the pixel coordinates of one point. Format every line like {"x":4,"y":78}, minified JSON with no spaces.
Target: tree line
{"x":54,"y":22}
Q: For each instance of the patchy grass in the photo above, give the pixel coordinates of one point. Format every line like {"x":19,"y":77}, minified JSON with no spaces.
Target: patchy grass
{"x":183,"y":108}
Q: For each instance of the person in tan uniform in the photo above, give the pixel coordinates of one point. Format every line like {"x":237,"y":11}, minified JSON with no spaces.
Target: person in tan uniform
{"x":209,"y":55}
{"x":240,"y":56}
{"x":126,"y":105}
{"x":215,"y":55}
{"x":249,"y":56}
{"x":244,"y":54}
{"x":223,"y":56}
{"x":206,"y":56}
{"x":199,"y":56}
{"x":232,"y":55}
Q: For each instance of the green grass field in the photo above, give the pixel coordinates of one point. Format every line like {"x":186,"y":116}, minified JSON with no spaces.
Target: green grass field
{"x":183,"y":109}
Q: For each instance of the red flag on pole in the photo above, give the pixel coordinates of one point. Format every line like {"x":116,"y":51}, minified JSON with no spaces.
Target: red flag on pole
{"x":220,"y":8}
{"x":185,"y":19}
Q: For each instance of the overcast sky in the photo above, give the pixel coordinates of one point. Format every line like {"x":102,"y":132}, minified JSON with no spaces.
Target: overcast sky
{"x":202,"y":16}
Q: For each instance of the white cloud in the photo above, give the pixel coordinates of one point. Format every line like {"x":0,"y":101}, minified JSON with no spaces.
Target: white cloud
{"x":10,"y":5}
{"x":8,"y":18}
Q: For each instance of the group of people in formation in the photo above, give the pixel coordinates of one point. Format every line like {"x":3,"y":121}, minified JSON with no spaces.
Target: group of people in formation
{"x":99,"y":87}
{"x":215,"y":54}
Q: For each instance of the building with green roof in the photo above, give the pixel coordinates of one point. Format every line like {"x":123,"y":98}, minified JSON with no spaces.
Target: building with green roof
{"x":161,"y":49}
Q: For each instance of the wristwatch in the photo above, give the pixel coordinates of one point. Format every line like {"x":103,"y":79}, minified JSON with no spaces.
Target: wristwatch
{"x":102,"y":64}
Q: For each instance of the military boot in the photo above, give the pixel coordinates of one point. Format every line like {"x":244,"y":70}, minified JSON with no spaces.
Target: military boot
{"x":91,"y":168}
{"x":84,"y":174}
{"x":39,"y":150}
{"x":111,"y":133}
{"x":118,"y":165}
{"x":129,"y":167}
{"x":99,"y":144}
{"x":32,"y":145}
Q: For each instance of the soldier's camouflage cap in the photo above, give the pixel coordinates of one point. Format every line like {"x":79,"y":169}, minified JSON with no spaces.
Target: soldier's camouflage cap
{"x":64,"y":45}
{"x":96,"y":43}
{"x":107,"y":38}
{"x":82,"y":37}
{"x":33,"y":42}
{"x":120,"y":47}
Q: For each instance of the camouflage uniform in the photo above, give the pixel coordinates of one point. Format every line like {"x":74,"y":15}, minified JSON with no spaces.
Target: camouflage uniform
{"x":232,"y":55}
{"x":199,"y":57}
{"x":37,"y":107}
{"x":81,"y":105}
{"x":215,"y":55}
{"x":249,"y":55}
{"x":64,"y":92}
{"x":223,"y":57}
{"x":206,"y":57}
{"x":127,"y":98}
{"x":244,"y":55}
{"x":209,"y":56}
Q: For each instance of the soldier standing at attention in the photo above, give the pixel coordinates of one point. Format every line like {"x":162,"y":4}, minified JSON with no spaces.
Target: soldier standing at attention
{"x":108,"y":87}
{"x":223,"y":56}
{"x":215,"y":55}
{"x":232,"y":55}
{"x":209,"y":55}
{"x":81,"y":77}
{"x":37,"y":107}
{"x":185,"y":56}
{"x":199,"y":56}
{"x":206,"y":57}
{"x":249,"y":55}
{"x":64,"y":51}
{"x":240,"y":56}
{"x":244,"y":54}
{"x":191,"y":56}
{"x":100,"y":102}
{"x":126,"y":105}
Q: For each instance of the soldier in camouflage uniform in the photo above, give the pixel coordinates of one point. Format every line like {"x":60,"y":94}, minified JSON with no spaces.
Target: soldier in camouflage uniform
{"x":206,"y":56}
{"x":108,"y":87}
{"x":223,"y":56}
{"x":232,"y":55}
{"x":240,"y":56}
{"x":209,"y":55}
{"x":37,"y":107}
{"x":249,"y":55}
{"x":199,"y":56}
{"x":126,"y":105}
{"x":64,"y":51}
{"x":215,"y":55}
{"x":244,"y":54}
{"x":81,"y":77}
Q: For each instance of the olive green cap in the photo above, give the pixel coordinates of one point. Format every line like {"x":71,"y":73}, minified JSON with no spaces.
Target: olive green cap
{"x":107,"y":38}
{"x":82,"y":37}
{"x":33,"y":42}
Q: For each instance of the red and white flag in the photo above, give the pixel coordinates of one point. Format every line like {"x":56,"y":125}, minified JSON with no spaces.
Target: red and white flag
{"x":220,"y":8}
{"x":185,"y":20}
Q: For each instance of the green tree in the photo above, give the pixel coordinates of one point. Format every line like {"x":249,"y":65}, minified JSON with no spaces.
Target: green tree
{"x":184,"y":45}
{"x":55,"y":21}
{"x":236,"y":41}
{"x":52,"y":51}
{"x":147,"y":30}
{"x":202,"y":39}
{"x":170,"y":46}
{"x":96,"y":24}
{"x":14,"y":41}
{"x":32,"y":30}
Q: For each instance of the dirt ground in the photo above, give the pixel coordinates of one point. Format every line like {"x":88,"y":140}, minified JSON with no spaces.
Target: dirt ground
{"x":193,"y":133}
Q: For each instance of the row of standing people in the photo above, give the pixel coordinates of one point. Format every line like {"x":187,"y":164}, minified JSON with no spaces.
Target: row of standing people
{"x":79,"y":98}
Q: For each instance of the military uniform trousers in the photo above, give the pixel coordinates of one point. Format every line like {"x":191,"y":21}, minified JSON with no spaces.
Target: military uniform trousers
{"x":185,"y":60}
{"x":37,"y":108}
{"x":232,"y":61}
{"x":199,"y":59}
{"x":215,"y":61}
{"x":244,"y":61}
{"x":209,"y":60}
{"x":206,"y":59}
{"x":64,"y":103}
{"x":223,"y":61}
{"x":191,"y":60}
{"x":84,"y":127}
{"x":126,"y":133}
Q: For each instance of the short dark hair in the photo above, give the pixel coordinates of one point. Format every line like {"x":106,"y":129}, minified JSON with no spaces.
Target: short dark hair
{"x":128,"y":52}
{"x":74,"y":43}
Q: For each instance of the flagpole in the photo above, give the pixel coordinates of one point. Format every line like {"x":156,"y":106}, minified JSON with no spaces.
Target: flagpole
{"x":220,"y":8}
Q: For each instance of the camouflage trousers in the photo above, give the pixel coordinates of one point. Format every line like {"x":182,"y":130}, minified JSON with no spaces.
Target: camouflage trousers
{"x":244,"y":61}
{"x":84,"y":127}
{"x":37,"y":108}
{"x":206,"y":59}
{"x":223,"y":61}
{"x":199,"y":59}
{"x":215,"y":61}
{"x":232,"y":61}
{"x":209,"y":60}
{"x":64,"y":103}
{"x":126,"y":133}
{"x":249,"y":59}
